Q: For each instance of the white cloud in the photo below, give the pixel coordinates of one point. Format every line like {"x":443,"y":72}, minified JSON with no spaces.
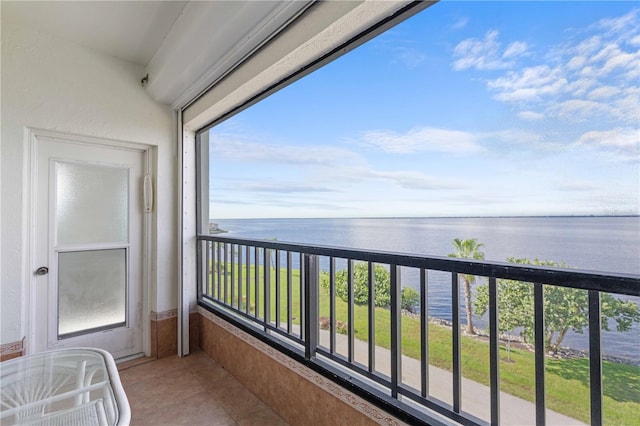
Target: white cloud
{"x":579,"y":87}
{"x":621,"y":25}
{"x":516,"y":48}
{"x":604,"y":92}
{"x":576,"y":62}
{"x":407,"y":179}
{"x":603,"y":105}
{"x":422,"y":139}
{"x":584,"y":79}
{"x":622,"y":138}
{"x":575,"y":110}
{"x":622,"y":60}
{"x":233,"y":147}
{"x":627,"y":107}
{"x":589,"y":46}
{"x":531,"y":115}
{"x":411,"y":180}
{"x":610,"y":59}
{"x":486,"y":53}
{"x":529,"y":84}
{"x":625,"y":141}
{"x":609,"y":51}
{"x":632,"y":74}
{"x":231,"y":206}
{"x":522,"y":138}
{"x":588,"y":72}
{"x":284,"y":187}
{"x":460,"y":23}
{"x":577,"y":186}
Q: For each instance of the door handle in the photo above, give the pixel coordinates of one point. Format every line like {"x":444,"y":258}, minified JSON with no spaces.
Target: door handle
{"x":43,"y":270}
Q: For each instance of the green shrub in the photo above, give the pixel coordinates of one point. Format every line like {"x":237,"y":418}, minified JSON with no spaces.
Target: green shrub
{"x":381,"y":278}
{"x":410,"y":299}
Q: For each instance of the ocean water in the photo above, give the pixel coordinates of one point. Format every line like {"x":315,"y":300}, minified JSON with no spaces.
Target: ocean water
{"x":608,"y":244}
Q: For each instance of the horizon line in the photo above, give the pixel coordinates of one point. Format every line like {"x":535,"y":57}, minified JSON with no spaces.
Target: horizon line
{"x":438,"y":217}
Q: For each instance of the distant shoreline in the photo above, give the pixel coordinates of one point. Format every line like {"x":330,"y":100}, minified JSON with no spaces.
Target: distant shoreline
{"x":440,"y":217}
{"x":214,"y":229}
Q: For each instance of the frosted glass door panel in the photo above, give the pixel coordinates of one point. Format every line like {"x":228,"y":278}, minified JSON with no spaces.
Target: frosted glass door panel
{"x":91,"y":291}
{"x":92,"y":203}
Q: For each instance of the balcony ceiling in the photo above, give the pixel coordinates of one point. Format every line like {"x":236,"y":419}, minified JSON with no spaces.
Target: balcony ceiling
{"x":132,"y":31}
{"x":184,"y":45}
{"x":189,"y":47}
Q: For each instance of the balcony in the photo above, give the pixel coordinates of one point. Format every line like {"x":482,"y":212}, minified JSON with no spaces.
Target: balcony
{"x":276,"y":342}
{"x":282,"y":299}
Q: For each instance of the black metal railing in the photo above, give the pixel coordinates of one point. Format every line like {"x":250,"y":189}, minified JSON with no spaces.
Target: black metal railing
{"x":238,"y":278}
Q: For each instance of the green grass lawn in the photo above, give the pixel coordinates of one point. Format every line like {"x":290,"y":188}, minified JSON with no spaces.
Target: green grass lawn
{"x":567,"y":381}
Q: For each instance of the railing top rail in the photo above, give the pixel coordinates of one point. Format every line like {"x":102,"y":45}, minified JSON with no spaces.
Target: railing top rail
{"x":610,"y":282}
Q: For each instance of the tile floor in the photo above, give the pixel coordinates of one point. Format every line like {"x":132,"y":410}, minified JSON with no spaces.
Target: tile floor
{"x":193,"y":391}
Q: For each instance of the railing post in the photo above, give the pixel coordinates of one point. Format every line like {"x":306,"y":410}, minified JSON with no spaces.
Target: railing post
{"x":233,"y":274}
{"x":310,"y":305}
{"x":350,"y":313}
{"x":303,"y":298}
{"x":372,"y":317}
{"x":424,"y":333}
{"x":332,"y":305}
{"x":595,"y":357}
{"x":266,"y":267}
{"x":455,"y":343}
{"x":538,"y":315}
{"x":256,"y":282}
{"x":201,"y":277}
{"x":396,"y":345}
{"x":209,"y":268}
{"x":239,"y":279}
{"x":247,"y":304}
{"x":289,"y":292}
{"x":277,"y":271}
{"x":494,"y":352}
{"x":219,"y":271}
{"x":226,"y":273}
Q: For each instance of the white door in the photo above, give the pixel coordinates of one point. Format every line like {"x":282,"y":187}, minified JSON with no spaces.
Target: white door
{"x":87,"y":243}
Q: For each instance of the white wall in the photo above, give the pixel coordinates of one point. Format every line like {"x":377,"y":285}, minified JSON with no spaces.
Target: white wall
{"x":51,"y":84}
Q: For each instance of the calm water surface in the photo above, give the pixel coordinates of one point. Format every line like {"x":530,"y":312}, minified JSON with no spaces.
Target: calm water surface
{"x":610,"y":244}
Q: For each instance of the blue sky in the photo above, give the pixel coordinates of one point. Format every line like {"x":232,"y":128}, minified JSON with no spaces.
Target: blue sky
{"x":466,"y":109}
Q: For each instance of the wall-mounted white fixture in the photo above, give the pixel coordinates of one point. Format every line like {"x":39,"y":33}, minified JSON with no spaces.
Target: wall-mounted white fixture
{"x":148,"y":193}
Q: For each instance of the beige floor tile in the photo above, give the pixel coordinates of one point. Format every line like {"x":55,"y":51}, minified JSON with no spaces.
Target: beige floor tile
{"x":210,"y":375}
{"x":155,"y":393}
{"x":150,"y":370}
{"x":193,"y":391}
{"x":262,"y":418}
{"x":198,"y":409}
{"x":237,"y":400}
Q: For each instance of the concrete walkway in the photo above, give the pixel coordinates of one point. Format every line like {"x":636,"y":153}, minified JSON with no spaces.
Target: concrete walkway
{"x":475,"y":396}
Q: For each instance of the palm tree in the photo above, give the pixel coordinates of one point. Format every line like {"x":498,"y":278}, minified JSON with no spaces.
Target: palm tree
{"x":468,"y":249}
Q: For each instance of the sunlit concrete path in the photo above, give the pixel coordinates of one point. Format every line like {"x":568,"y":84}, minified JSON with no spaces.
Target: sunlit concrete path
{"x":475,"y":396}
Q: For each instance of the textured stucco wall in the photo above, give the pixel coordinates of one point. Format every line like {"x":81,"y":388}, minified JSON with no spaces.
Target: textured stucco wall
{"x":298,"y":394}
{"x":51,"y":84}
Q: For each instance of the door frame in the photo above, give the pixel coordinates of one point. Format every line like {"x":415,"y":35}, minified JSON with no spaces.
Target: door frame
{"x":149,"y":236}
